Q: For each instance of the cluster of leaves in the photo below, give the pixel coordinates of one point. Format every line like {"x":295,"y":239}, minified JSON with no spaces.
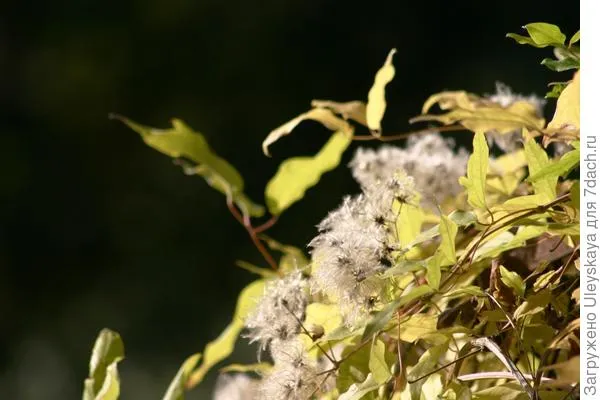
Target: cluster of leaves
{"x":479,"y":298}
{"x":567,"y":56}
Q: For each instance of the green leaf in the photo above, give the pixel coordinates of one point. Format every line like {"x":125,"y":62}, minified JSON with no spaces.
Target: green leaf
{"x":562,"y":167}
{"x":513,"y":281}
{"x":380,"y":319}
{"x":575,"y":38}
{"x":357,"y":391}
{"x":522,"y":39}
{"x":260,"y":368}
{"x":355,"y":367}
{"x":297,"y":174}
{"x":445,"y":254}
{"x":534,"y":304}
{"x":326,"y":117}
{"x":507,"y":391}
{"x":409,"y":222}
{"x":561,"y":65}
{"x":427,"y":363}
{"x":377,"y":104}
{"x":176,"y":390}
{"x":377,"y":365}
{"x":544,"y":34}
{"x":537,"y":160}
{"x":103,"y":380}
{"x":418,"y":326}
{"x":182,"y":143}
{"x":461,"y":218}
{"x":221,"y":347}
{"x":477,"y":168}
{"x":557,"y":88}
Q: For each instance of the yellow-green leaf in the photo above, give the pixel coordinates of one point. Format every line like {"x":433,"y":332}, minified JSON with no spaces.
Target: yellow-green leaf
{"x":326,"y":117}
{"x":575,"y":38}
{"x":561,"y":167}
{"x":357,"y":391}
{"x":181,"y":142}
{"x":417,"y":327}
{"x":477,"y":168}
{"x":427,"y":363}
{"x":111,"y":387}
{"x":221,"y":347}
{"x":544,"y":34}
{"x":103,"y":376}
{"x":565,"y":122}
{"x":258,"y":368}
{"x":297,"y":174}
{"x":176,"y":390}
{"x":377,"y":104}
{"x":513,"y":281}
{"x":537,"y":160}
{"x":409,"y":222}
{"x":377,"y":365}
{"x":445,"y":254}
{"x":354,"y":110}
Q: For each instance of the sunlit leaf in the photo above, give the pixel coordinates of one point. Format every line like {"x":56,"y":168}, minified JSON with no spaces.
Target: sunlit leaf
{"x":103,"y":379}
{"x":537,"y":160}
{"x":427,"y":363}
{"x":358,"y":390}
{"x":297,"y":174}
{"x":409,"y":222}
{"x":258,"y":368}
{"x":181,"y":142}
{"x":561,"y":65}
{"x":575,"y":38}
{"x":562,"y":167}
{"x":221,"y":347}
{"x":377,"y":104}
{"x":513,"y":281}
{"x":445,"y":254}
{"x":377,"y":364}
{"x":380,"y":319}
{"x":476,"y":172}
{"x":534,"y":304}
{"x":176,"y":390}
{"x":544,"y":34}
{"x":417,"y":327}
{"x":565,"y":123}
{"x":354,"y":110}
{"x":326,"y":117}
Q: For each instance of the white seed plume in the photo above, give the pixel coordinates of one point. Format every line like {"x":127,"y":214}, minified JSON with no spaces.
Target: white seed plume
{"x":279,"y":311}
{"x":235,"y":387}
{"x":429,"y":160}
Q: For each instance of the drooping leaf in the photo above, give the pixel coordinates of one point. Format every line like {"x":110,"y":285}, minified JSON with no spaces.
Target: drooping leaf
{"x":176,"y":390}
{"x":181,"y":142}
{"x":537,"y":160}
{"x":103,"y":378}
{"x":354,"y":110}
{"x":326,"y":117}
{"x":544,"y":34}
{"x":480,"y":115}
{"x":377,"y":364}
{"x":513,"y":281}
{"x":221,"y":347}
{"x":477,"y":168}
{"x":297,"y":174}
{"x":377,"y":104}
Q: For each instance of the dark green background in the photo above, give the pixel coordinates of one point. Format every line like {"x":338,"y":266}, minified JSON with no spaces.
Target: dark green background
{"x":98,"y":230}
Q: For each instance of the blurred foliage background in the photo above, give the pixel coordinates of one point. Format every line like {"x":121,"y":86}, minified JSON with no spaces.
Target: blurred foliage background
{"x":98,"y":230}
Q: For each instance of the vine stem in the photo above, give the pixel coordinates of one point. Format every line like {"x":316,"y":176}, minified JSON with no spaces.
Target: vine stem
{"x":247,"y":223}
{"x":399,"y":136}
